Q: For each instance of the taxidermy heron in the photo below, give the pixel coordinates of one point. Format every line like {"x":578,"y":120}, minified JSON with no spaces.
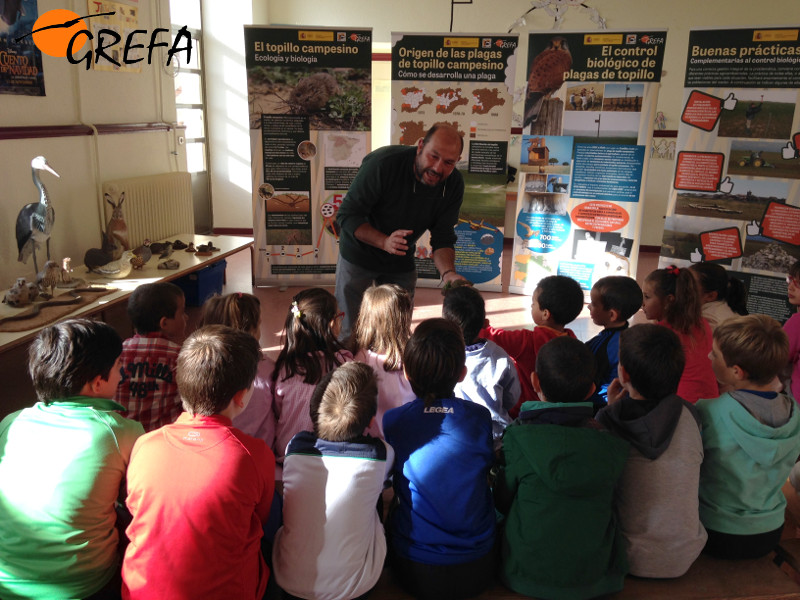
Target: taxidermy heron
{"x":35,"y":220}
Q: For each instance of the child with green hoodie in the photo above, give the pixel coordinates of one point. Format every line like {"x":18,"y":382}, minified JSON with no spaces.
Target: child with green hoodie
{"x":751,"y":438}
{"x":561,"y":539}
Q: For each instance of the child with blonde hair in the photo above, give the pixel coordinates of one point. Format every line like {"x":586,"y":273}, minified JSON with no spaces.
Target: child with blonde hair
{"x":332,"y":544}
{"x":243,"y":312}
{"x":310,"y":350}
{"x":378,"y":339}
{"x":751,"y":439}
{"x":672,"y":297}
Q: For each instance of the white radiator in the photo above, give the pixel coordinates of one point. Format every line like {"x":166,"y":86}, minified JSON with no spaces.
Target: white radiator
{"x":155,"y":206}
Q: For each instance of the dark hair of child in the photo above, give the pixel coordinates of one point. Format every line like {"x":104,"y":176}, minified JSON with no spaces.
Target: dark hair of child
{"x":309,"y":344}
{"x":565,"y":367}
{"x":151,"y":302}
{"x":465,"y":307}
{"x":344,"y":402}
{"x":714,"y":278}
{"x":434,"y":359}
{"x":653,"y":357}
{"x":684,"y":310}
{"x":756,"y":343}
{"x":562,"y":296}
{"x":619,"y":293}
{"x":384,"y":323}
{"x":67,"y":355}
{"x":794,"y":270}
{"x":239,"y":310}
{"x":214,"y":363}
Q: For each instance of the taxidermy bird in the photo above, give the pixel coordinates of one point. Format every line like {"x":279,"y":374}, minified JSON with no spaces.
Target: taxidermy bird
{"x":163,"y":249}
{"x":546,"y":76}
{"x":35,"y":221}
{"x":117,"y":269}
{"x":144,"y":252}
{"x":49,"y":278}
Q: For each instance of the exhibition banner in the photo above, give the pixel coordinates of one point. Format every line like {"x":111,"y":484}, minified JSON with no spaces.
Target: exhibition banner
{"x":309,"y":91}
{"x":466,"y":80}
{"x":735,"y":197}
{"x":590,"y":103}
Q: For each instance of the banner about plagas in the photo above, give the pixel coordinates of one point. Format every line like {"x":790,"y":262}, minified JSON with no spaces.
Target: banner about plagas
{"x":735,"y":197}
{"x":309,"y":91}
{"x":589,"y":107}
{"x":466,"y":80}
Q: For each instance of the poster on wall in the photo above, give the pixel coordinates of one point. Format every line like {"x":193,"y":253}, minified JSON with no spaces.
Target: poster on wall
{"x":20,"y":61}
{"x":122,"y":19}
{"x":466,"y":80}
{"x":309,"y":96}
{"x":590,"y":103}
{"x":735,"y":197}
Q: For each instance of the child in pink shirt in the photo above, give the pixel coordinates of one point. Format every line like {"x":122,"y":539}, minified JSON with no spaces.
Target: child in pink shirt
{"x":310,"y":350}
{"x":378,"y":339}
{"x":792,"y":328}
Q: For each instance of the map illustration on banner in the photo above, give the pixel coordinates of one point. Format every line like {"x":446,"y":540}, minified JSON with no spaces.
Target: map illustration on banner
{"x":735,"y":197}
{"x":590,"y":101}
{"x":467,"y":81}
{"x":309,"y":92}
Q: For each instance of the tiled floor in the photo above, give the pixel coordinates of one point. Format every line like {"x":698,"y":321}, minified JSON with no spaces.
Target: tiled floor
{"x":502,"y":309}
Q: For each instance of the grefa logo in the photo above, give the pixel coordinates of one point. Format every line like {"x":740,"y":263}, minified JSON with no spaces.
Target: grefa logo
{"x":505,"y":44}
{"x":358,"y":37}
{"x":646,"y":39}
{"x":61,"y":32}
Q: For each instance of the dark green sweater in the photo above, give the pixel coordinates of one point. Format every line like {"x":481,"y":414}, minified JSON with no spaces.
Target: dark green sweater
{"x":386,"y":194}
{"x":561,"y":540}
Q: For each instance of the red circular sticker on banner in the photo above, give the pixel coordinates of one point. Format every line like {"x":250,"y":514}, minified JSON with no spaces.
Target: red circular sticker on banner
{"x":600,"y":216}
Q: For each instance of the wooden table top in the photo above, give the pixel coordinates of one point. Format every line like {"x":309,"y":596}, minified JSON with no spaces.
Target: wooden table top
{"x":189,"y":262}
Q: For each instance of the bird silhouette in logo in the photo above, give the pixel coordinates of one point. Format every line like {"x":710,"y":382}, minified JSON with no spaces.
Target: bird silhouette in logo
{"x":546,"y":76}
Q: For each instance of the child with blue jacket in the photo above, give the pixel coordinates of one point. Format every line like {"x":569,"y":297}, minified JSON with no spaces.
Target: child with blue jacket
{"x":613,"y":300}
{"x":442,"y":527}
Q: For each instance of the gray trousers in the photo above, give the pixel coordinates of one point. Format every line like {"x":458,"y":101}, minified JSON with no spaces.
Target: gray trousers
{"x":351,"y":283}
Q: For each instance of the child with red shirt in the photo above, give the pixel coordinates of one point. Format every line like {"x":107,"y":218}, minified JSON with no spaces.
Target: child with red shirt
{"x":199,"y":490}
{"x":556,"y":301}
{"x":672,"y":297}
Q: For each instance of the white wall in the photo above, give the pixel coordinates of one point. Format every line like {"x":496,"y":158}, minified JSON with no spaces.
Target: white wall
{"x":75,"y":96}
{"x":228,"y":121}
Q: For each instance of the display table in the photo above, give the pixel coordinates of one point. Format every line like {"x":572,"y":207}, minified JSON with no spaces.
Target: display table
{"x":189,"y":262}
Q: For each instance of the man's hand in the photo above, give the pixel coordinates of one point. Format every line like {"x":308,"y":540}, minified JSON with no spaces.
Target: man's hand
{"x":395,"y":242}
{"x":452,"y":277}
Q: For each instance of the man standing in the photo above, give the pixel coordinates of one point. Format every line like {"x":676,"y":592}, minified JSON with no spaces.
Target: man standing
{"x":397,"y":194}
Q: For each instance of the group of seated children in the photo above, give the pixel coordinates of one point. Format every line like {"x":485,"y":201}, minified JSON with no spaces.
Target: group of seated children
{"x":560,"y":465}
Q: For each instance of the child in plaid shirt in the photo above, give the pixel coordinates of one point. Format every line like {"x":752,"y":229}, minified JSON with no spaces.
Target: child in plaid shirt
{"x":148,"y":389}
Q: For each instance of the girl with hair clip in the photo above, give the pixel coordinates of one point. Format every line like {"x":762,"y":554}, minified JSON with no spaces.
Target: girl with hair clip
{"x":310,"y":350}
{"x":672,"y":297}
{"x":723,"y":296}
{"x":243,"y":312}
{"x":379,"y":338}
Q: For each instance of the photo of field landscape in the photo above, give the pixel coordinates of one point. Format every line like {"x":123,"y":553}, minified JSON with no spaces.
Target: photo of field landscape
{"x":747,"y":201}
